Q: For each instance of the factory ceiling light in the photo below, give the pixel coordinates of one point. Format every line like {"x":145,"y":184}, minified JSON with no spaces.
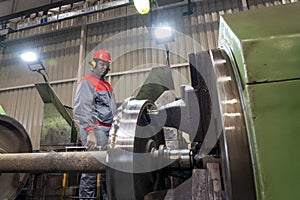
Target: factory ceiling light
{"x":29,"y":57}
{"x":142,"y":6}
{"x":164,"y":35}
{"x":34,"y":63}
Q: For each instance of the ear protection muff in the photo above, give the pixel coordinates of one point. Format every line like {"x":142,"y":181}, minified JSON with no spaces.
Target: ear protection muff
{"x":93,"y":63}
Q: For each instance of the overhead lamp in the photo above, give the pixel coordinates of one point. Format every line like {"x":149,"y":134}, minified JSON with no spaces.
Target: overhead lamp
{"x":29,"y":57}
{"x":34,"y":63}
{"x":163,"y":34}
{"x":142,"y":6}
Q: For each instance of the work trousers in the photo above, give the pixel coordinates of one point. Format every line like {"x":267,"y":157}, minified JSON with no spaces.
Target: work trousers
{"x":88,"y":181}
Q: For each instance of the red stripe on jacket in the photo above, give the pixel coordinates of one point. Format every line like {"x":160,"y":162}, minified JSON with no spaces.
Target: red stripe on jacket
{"x":95,"y":83}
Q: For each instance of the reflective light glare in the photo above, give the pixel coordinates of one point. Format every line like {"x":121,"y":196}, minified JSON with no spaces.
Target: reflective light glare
{"x":232,"y":114}
{"x":29,"y":56}
{"x":229,"y":128}
{"x":224,"y":78}
{"x":163,"y":33}
{"x":142,"y":6}
{"x":221,"y":61}
{"x":232,"y":101}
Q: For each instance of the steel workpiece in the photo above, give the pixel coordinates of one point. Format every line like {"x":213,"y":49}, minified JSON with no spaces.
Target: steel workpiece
{"x":90,"y":161}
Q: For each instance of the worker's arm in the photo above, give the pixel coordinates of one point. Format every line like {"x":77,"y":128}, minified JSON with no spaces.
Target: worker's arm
{"x":113,"y":104}
{"x":84,"y":105}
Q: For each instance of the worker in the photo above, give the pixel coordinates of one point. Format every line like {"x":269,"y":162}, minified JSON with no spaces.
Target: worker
{"x":94,"y":107}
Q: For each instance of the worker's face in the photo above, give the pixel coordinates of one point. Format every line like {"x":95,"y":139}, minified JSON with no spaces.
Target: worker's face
{"x":101,"y":68}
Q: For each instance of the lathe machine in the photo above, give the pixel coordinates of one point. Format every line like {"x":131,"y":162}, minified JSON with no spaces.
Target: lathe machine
{"x":241,"y":112}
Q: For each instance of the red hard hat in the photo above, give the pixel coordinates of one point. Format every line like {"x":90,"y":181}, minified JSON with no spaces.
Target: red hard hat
{"x":102,"y":55}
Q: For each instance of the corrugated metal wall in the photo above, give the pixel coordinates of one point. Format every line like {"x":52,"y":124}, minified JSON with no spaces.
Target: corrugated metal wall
{"x":121,"y":31}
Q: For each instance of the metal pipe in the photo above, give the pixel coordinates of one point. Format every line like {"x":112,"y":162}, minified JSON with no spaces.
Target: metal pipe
{"x":53,"y":162}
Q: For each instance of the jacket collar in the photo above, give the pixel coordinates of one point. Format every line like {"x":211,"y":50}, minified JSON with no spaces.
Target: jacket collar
{"x":94,"y":74}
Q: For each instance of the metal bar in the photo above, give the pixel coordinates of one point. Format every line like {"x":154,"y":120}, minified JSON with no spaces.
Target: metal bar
{"x":102,"y":21}
{"x":34,"y":9}
{"x":75,"y":79}
{"x":54,"y":162}
{"x":18,"y":87}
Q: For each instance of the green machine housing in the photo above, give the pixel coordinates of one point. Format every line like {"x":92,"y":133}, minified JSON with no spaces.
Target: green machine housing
{"x":265,"y":44}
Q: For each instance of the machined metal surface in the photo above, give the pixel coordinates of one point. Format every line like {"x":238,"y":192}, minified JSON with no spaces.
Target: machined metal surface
{"x":53,"y":162}
{"x":133,"y":172}
{"x":227,"y":123}
{"x":235,"y":148}
{"x":13,"y":139}
{"x":180,"y":157}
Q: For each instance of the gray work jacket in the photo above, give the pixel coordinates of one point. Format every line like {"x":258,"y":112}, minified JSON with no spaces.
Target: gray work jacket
{"x":94,"y":102}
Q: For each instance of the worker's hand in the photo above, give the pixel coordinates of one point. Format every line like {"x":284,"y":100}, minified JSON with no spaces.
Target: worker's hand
{"x":91,"y":142}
